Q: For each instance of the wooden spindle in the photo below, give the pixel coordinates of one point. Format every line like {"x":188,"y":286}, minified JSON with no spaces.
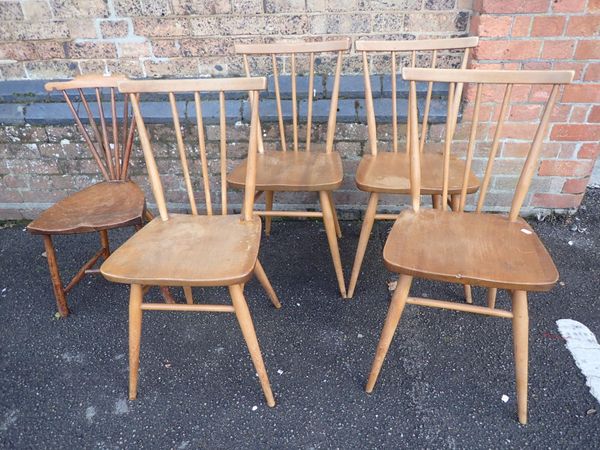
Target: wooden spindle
{"x":427,"y":104}
{"x":115,"y":130}
{"x":470,"y":147}
{"x":447,"y":145}
{"x":223,"y":145}
{"x":182,"y":155}
{"x":278,"y":100}
{"x":261,"y":147}
{"x":202,"y":149}
{"x":371,"y":125}
{"x":250,"y":185}
{"x":311,"y":79}
{"x":415,"y":156}
{"x":107,"y":152}
{"x":128,"y":147}
{"x":395,"y":109}
{"x":294,"y":103}
{"x":334,"y":104}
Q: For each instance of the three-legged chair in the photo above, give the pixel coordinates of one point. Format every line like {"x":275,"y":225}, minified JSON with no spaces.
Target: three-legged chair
{"x":387,"y":172}
{"x":299,"y":170}
{"x":113,"y":203}
{"x":190,"y":250}
{"x":490,"y":250}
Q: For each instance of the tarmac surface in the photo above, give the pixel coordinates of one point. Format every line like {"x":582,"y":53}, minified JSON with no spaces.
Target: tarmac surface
{"x":63,"y":382}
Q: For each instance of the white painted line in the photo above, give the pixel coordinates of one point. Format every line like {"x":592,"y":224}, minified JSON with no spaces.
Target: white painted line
{"x":584,"y":347}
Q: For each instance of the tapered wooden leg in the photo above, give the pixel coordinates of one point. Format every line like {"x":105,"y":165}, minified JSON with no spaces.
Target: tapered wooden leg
{"x":135,"y":335}
{"x":166,"y":295}
{"x":332,"y":238}
{"x":363,"y":240}
{"x":266,"y":284}
{"x":468,"y":294}
{"x":455,"y":202}
{"x":245,"y":320}
{"x":148,"y":216}
{"x":187,"y":291}
{"x":105,"y":243}
{"x":268,"y":207}
{"x":338,"y":229}
{"x":491,"y":297}
{"x":455,"y":206}
{"x":59,"y":293}
{"x":520,"y":324}
{"x":389,"y":328}
{"x":436,"y":201}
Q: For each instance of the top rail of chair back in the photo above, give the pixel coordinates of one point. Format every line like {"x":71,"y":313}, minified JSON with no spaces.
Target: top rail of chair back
{"x":86,"y":82}
{"x":293,"y":47}
{"x":194,"y":85}
{"x":417,"y":45}
{"x":488,"y":76}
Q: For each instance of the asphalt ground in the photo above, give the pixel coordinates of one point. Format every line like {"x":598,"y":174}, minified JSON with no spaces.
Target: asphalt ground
{"x":63,"y":382}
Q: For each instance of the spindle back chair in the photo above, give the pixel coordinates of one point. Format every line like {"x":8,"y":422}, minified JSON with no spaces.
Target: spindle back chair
{"x":478,"y":248}
{"x":116,"y":202}
{"x":194,"y":249}
{"x":297,"y":170}
{"x":388,"y":172}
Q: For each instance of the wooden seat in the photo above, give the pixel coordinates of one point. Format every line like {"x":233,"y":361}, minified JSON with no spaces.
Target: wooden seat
{"x":389,"y":173}
{"x":115,"y":202}
{"x":475,"y":248}
{"x":302,"y":170}
{"x":293,"y":171}
{"x":188,"y":250}
{"x":102,"y":206}
{"x":469,"y":248}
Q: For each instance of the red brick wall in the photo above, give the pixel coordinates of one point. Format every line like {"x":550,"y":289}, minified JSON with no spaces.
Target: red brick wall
{"x":549,"y":34}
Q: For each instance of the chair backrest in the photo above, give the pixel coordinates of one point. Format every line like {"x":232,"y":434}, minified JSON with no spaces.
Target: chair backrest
{"x":480,"y":80}
{"x":112,"y":142}
{"x":277,"y":53}
{"x":426,"y":51}
{"x":210,"y":86}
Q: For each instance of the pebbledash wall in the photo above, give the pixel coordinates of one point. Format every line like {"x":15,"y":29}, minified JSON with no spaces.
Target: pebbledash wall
{"x":43,"y":158}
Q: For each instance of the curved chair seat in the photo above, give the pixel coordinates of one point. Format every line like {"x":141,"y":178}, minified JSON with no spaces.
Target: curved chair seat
{"x":389,"y":172}
{"x":469,"y":248}
{"x":188,"y":250}
{"x":293,"y":171}
{"x":106,"y":205}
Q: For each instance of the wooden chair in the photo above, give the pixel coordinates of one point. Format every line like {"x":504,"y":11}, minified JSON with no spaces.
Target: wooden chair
{"x":491,"y":250}
{"x":388,"y":172}
{"x":113,"y":203}
{"x":191,"y":250}
{"x":300,"y":171}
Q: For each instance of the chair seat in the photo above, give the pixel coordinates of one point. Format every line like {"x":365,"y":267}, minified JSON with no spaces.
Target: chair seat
{"x":292,"y":171}
{"x":389,"y":172}
{"x":469,"y":248}
{"x":106,"y":205}
{"x":187,"y":250}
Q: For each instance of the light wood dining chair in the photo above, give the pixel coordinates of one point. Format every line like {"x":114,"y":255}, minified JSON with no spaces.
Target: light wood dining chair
{"x":482,"y":249}
{"x":303,"y":169}
{"x":387,"y":172}
{"x":113,"y":203}
{"x":190,"y":250}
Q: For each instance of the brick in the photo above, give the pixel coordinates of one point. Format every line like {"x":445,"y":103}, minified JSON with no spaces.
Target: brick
{"x":587,"y":50}
{"x":248,"y":6}
{"x":583,"y":26}
{"x":558,"y":49}
{"x":581,"y":93}
{"x":548,"y":25}
{"x":558,"y":201}
{"x":593,"y":6}
{"x":206,"y":47}
{"x":594,"y":115}
{"x":52,"y":69}
{"x":568,"y":6}
{"x":495,"y":26}
{"x":10,"y":10}
{"x":86,"y":50}
{"x":521,"y":26}
{"x":163,"y":27}
{"x":575,"y":132}
{"x":514,"y":6}
{"x":134,"y":49}
{"x":35,"y":10}
{"x":114,"y":28}
{"x":28,"y":51}
{"x":593,"y":72}
{"x":87,"y":8}
{"x":500,"y":50}
{"x":440,"y":22}
{"x":282,"y":6}
{"x":524,"y":112}
{"x":575,"y":185}
{"x":565,"y":168}
{"x":579,"y":114}
{"x":166,"y":48}
{"x":81,"y":28}
{"x":578,"y":68}
{"x":589,"y":151}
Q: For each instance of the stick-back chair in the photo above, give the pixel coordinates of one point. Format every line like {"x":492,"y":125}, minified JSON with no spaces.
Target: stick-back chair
{"x":302,"y":169}
{"x":189,"y":250}
{"x":387,"y":172}
{"x":483,"y":249}
{"x":113,"y":203}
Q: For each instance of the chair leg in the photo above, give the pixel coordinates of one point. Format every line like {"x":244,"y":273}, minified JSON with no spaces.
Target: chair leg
{"x":491,"y":297}
{"x":521,"y":348}
{"x":189,"y":298}
{"x":436,"y":201}
{"x":455,"y":206}
{"x":105,"y":243}
{"x":59,"y":292}
{"x":332,"y":238}
{"x":268,"y":207}
{"x":363,"y":241}
{"x":245,"y":320}
{"x":338,"y":229}
{"x":135,"y":335}
{"x":468,"y":294}
{"x":148,"y":216}
{"x":389,"y":328}
{"x":259,"y":271}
